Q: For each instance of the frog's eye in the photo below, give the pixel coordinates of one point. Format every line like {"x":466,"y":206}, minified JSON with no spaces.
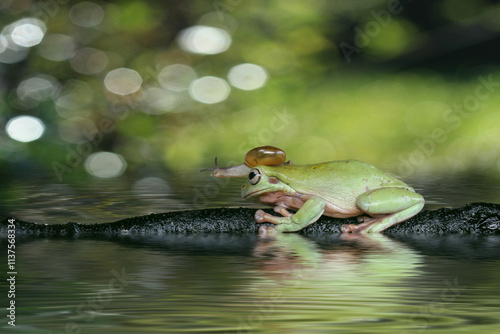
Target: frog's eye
{"x":265,"y":156}
{"x":254,"y":176}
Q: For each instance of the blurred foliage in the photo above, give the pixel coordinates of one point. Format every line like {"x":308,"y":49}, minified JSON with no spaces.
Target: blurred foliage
{"x":380,"y":81}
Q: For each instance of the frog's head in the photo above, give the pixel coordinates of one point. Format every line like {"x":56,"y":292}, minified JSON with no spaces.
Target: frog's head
{"x":263,"y":180}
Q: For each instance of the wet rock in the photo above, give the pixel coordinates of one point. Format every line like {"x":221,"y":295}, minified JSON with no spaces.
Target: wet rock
{"x":475,"y":218}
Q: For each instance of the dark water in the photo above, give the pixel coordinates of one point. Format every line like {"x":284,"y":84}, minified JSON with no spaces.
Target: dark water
{"x":43,"y":199}
{"x":240,"y":284}
{"x":237,"y":283}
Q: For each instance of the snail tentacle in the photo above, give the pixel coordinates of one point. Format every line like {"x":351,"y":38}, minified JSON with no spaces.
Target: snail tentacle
{"x":233,"y":171}
{"x":210,"y":169}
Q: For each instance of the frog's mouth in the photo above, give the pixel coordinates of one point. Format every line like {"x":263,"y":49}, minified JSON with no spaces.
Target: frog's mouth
{"x":256,"y":192}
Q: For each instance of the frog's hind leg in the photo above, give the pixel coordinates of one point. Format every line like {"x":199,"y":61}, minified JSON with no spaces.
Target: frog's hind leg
{"x":387,"y":207}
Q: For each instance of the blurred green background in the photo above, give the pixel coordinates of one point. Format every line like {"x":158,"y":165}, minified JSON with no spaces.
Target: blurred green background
{"x":119,"y":89}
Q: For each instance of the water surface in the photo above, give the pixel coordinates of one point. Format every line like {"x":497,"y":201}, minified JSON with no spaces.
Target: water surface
{"x":242,"y":284}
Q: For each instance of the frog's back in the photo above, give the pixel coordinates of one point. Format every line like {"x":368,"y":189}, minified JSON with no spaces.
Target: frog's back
{"x":335,"y":178}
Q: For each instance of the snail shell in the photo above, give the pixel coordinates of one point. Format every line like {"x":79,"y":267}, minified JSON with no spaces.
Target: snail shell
{"x":265,"y":156}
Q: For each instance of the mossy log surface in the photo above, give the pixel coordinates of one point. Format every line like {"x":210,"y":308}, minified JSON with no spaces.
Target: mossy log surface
{"x":474,"y":218}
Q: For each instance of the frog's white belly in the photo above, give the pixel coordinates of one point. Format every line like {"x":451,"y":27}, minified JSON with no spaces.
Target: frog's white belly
{"x":295,"y":202}
{"x":344,"y":208}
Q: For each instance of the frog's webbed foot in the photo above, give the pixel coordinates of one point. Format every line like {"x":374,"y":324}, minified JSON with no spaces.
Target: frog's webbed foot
{"x":310,"y":211}
{"x":366,"y":222}
{"x":358,"y":228}
{"x":263,"y":217}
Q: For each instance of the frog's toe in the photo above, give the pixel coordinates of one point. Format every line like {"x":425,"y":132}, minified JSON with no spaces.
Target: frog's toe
{"x":282,"y":211}
{"x":267,"y":231}
{"x":260,"y":216}
{"x":366,"y":220}
{"x":362,"y":219}
{"x":346,"y":228}
{"x":350,"y":228}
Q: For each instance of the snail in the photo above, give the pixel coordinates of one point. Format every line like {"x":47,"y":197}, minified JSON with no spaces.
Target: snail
{"x":263,"y":156}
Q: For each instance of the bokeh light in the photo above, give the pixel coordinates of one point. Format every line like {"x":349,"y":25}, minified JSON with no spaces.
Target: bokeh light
{"x":123,"y":81}
{"x":89,"y":61}
{"x":12,"y":54}
{"x":204,"y":40}
{"x":25,"y":128}
{"x":38,"y":88}
{"x":160,"y":100}
{"x":86,"y":14}
{"x":27,"y":32}
{"x":150,"y":187}
{"x":105,"y":164}
{"x":209,"y":90}
{"x":247,"y":76}
{"x":17,"y":37}
{"x":3,"y":43}
{"x":57,"y":47}
{"x":177,"y":77}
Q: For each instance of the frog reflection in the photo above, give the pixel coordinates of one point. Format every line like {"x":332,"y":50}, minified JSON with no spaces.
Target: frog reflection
{"x":359,"y":261}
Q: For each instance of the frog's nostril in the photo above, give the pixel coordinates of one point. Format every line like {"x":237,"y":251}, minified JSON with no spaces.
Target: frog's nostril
{"x":273,"y":180}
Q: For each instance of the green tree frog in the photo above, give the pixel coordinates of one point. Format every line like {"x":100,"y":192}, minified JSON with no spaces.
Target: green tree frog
{"x":339,"y":189}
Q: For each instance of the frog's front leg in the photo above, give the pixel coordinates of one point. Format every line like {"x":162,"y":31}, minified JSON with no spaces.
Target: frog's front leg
{"x":387,"y":206}
{"x":310,"y":212}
